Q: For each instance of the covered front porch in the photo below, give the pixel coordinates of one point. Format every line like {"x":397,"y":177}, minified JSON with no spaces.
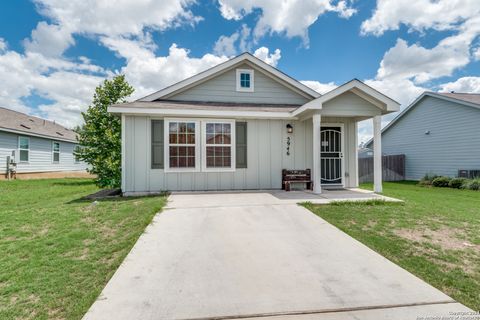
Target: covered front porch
{"x":334,"y":119}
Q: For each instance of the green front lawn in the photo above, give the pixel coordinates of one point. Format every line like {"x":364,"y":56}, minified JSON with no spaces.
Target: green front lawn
{"x":435,"y":234}
{"x":57,"y":251}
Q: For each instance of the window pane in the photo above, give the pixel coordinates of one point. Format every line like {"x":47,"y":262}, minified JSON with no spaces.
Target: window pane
{"x":56,"y":146}
{"x":56,"y":157}
{"x":23,"y":155}
{"x":173,"y":127}
{"x":191,"y":138}
{"x":24,"y":143}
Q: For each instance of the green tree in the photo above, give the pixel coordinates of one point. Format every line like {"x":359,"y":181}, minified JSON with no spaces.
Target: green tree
{"x":100,"y":135}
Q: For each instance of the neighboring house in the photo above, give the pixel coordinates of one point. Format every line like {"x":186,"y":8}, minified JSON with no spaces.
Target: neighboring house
{"x":365,"y":152}
{"x":439,"y":133}
{"x":237,"y":125}
{"x":41,"y":148}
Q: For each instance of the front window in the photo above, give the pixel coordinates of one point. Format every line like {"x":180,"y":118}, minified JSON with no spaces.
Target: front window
{"x":24,"y":148}
{"x":218,"y":145}
{"x":182,"y":145}
{"x":56,"y":151}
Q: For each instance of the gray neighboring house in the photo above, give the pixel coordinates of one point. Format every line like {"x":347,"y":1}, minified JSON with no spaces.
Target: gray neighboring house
{"x":41,"y":148}
{"x":439,"y":133}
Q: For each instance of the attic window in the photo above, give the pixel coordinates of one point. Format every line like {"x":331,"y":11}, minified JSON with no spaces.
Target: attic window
{"x":245,"y":80}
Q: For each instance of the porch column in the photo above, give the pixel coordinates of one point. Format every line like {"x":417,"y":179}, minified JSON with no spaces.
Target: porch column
{"x":317,"y":177}
{"x":377,"y":154}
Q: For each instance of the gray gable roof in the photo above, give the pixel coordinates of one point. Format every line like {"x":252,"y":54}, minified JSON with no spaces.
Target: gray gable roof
{"x":468,"y":99}
{"x":22,"y":123}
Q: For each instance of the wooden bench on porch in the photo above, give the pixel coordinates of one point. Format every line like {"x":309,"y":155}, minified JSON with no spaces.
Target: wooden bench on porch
{"x":296,"y":176}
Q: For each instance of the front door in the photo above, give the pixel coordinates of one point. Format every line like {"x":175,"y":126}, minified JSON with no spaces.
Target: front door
{"x":331,"y":158}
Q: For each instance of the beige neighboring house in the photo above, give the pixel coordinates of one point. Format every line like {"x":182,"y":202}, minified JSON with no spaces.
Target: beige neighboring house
{"x":40,"y":148}
{"x":237,"y":125}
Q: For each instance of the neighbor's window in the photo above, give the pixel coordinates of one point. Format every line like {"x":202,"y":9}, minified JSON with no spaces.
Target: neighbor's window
{"x":56,"y":151}
{"x":218,"y":145}
{"x":24,"y":148}
{"x":245,"y":79}
{"x":182,"y":142}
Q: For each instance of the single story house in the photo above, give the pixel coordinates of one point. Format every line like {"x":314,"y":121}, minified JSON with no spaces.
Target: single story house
{"x":237,"y":125}
{"x":38,"y":147}
{"x":439,"y":133}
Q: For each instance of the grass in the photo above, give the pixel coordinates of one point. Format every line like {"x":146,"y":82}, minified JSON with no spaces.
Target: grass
{"x":58,"y":251}
{"x":434,"y":234}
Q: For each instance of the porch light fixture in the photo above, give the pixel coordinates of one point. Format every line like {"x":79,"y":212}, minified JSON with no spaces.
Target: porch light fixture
{"x":289,"y":128}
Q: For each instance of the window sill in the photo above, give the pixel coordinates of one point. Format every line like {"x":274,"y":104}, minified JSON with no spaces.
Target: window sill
{"x":218,"y":169}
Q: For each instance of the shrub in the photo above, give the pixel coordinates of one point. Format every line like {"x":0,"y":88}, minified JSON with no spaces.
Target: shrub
{"x":427,"y":179}
{"x":441,"y":182}
{"x":472,"y":184}
{"x":457,"y":183}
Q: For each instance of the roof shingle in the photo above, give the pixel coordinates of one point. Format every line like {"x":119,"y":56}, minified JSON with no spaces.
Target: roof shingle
{"x":23,"y":123}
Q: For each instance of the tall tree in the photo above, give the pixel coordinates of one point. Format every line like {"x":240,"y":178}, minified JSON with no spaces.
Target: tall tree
{"x":100,"y":136}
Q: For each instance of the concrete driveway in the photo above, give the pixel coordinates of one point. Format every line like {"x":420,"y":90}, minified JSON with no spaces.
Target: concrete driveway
{"x":254,"y":258}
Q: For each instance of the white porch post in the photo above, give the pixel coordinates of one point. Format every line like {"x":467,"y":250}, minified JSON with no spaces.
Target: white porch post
{"x":377,"y":154}
{"x":317,"y":177}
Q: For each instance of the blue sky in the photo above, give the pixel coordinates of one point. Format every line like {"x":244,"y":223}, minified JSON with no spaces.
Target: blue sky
{"x":53,"y":52}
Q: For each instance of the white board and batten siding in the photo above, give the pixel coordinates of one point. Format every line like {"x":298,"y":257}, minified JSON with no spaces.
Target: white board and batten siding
{"x":222,"y":88}
{"x":40,"y":155}
{"x":453,"y":141}
{"x":266,"y":157}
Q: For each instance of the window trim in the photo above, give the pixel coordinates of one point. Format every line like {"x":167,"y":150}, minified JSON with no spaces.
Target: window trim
{"x":252,"y":80}
{"x":53,"y":151}
{"x":232,"y":146}
{"x":166,"y":143}
{"x":20,"y":149}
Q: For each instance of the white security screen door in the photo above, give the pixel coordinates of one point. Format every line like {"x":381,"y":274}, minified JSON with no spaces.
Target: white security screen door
{"x":331,"y":158}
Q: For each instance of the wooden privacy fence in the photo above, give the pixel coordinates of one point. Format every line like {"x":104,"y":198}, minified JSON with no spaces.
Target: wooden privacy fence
{"x":393,"y":168}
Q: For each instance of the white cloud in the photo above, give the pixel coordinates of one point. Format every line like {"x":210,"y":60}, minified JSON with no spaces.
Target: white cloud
{"x":419,"y":15}
{"x":263,"y":53}
{"x":71,"y":90}
{"x":465,"y":84}
{"x":49,"y":40}
{"x":3,"y":45}
{"x":476,"y":53}
{"x":225,"y":45}
{"x":115,"y":18}
{"x":239,"y":41}
{"x":321,"y":88}
{"x":403,"y":61}
{"x":289,"y":17}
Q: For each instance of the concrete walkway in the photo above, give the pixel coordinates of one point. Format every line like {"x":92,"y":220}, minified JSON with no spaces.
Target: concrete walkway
{"x":251,"y":258}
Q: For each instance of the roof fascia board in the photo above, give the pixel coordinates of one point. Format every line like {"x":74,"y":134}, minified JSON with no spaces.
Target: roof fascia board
{"x":202,"y":113}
